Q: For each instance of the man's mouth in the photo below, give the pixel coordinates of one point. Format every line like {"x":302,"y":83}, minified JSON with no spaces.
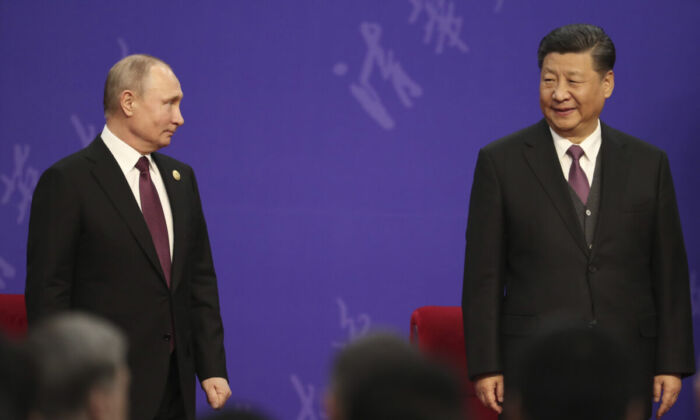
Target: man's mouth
{"x":563,"y":112}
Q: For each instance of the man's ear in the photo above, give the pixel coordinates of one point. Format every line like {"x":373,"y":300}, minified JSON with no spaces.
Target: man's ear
{"x":127,"y":102}
{"x":608,"y":83}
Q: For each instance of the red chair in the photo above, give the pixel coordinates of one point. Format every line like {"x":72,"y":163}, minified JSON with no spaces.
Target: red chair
{"x":438,"y":331}
{"x":13,"y":315}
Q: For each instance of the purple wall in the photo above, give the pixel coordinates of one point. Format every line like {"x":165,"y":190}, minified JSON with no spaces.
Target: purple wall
{"x":334,"y":143}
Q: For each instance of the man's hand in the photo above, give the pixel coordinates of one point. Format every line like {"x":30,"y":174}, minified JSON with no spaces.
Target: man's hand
{"x":489,"y":390}
{"x":671,"y":387}
{"x":218,"y":391}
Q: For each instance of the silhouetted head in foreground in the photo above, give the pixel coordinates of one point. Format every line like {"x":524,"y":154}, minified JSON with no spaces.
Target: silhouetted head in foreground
{"x":575,"y":374}
{"x":382,"y":377}
{"x":82,"y":370}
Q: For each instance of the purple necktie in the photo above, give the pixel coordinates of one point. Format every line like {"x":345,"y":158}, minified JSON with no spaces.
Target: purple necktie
{"x":577,"y":178}
{"x":153,"y":213}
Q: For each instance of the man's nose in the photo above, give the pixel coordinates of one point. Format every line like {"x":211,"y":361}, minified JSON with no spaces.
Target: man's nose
{"x":560,"y":92}
{"x":179,"y":120}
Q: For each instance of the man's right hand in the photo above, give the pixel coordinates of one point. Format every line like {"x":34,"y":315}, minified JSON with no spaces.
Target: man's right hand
{"x":489,"y":390}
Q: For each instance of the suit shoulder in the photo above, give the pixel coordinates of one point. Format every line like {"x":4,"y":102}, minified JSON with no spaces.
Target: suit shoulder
{"x":634,"y":144}
{"x":180,"y":170}
{"x":75,"y":162}
{"x":516,"y":139}
{"x":171,"y":162}
{"x":63,"y":177}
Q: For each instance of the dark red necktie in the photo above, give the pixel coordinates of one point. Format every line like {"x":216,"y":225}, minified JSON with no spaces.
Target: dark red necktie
{"x":577,"y":178}
{"x":155,"y":219}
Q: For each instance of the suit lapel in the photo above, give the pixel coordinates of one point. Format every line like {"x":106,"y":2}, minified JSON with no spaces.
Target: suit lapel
{"x":177,"y":206}
{"x":542,"y":158}
{"x":110,"y":177}
{"x":614,"y":170}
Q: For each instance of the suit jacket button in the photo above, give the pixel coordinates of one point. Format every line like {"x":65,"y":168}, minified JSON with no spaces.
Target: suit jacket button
{"x":167,"y":336}
{"x":592,"y":268}
{"x":592,"y":323}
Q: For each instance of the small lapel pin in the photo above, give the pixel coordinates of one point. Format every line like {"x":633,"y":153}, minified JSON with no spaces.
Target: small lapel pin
{"x":176,"y":175}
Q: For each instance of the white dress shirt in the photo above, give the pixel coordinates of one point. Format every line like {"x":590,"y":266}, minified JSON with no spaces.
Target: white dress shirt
{"x":127,"y":157}
{"x":590,"y":146}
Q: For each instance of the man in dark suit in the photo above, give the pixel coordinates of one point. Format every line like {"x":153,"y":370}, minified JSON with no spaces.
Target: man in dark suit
{"x":573,"y":223}
{"x":117,"y":230}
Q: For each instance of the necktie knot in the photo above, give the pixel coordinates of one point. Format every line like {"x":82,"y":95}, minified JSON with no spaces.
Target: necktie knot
{"x":575,"y":152}
{"x":142,"y":164}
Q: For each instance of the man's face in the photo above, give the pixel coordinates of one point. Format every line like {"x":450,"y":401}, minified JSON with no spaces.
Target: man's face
{"x":121,"y":394}
{"x":572,"y":94}
{"x":111,"y":401}
{"x":156,"y":113}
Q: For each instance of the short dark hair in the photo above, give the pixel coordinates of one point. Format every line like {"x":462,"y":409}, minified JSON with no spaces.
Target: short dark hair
{"x":578,"y":38}
{"x":576,"y":374}
{"x":383,"y":377}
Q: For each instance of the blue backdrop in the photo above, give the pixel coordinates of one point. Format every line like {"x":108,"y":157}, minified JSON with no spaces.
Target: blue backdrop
{"x":334,"y":143}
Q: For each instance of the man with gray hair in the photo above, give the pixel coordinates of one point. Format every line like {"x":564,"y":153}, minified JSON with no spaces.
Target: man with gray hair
{"x":118,"y":230}
{"x":81,"y":368}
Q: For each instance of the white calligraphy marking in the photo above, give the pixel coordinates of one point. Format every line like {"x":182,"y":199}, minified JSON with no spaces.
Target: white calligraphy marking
{"x":499,"y":6}
{"x":6,"y":271}
{"x":123,"y":47}
{"x":306,"y":398}
{"x":356,"y":327}
{"x":22,"y":181}
{"x":390,"y":69}
{"x":340,"y":69}
{"x":441,"y":21}
{"x":85,"y":133}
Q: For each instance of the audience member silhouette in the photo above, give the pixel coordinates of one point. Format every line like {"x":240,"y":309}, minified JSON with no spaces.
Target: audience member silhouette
{"x":81,"y":365}
{"x":574,"y":374}
{"x":382,"y":377}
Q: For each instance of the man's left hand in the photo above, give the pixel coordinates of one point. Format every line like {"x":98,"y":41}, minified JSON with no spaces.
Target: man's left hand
{"x":218,"y":391}
{"x":671,"y":387}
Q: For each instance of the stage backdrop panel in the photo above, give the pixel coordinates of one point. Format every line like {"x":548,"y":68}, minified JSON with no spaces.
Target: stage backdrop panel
{"x":334,"y":144}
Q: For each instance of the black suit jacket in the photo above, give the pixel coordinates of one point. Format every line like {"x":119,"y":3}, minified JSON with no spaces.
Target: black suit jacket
{"x":528,"y":267}
{"x":89,"y":249}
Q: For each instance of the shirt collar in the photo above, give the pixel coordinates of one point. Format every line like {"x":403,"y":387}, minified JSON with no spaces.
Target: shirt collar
{"x":125,"y":155}
{"x":590,"y":145}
